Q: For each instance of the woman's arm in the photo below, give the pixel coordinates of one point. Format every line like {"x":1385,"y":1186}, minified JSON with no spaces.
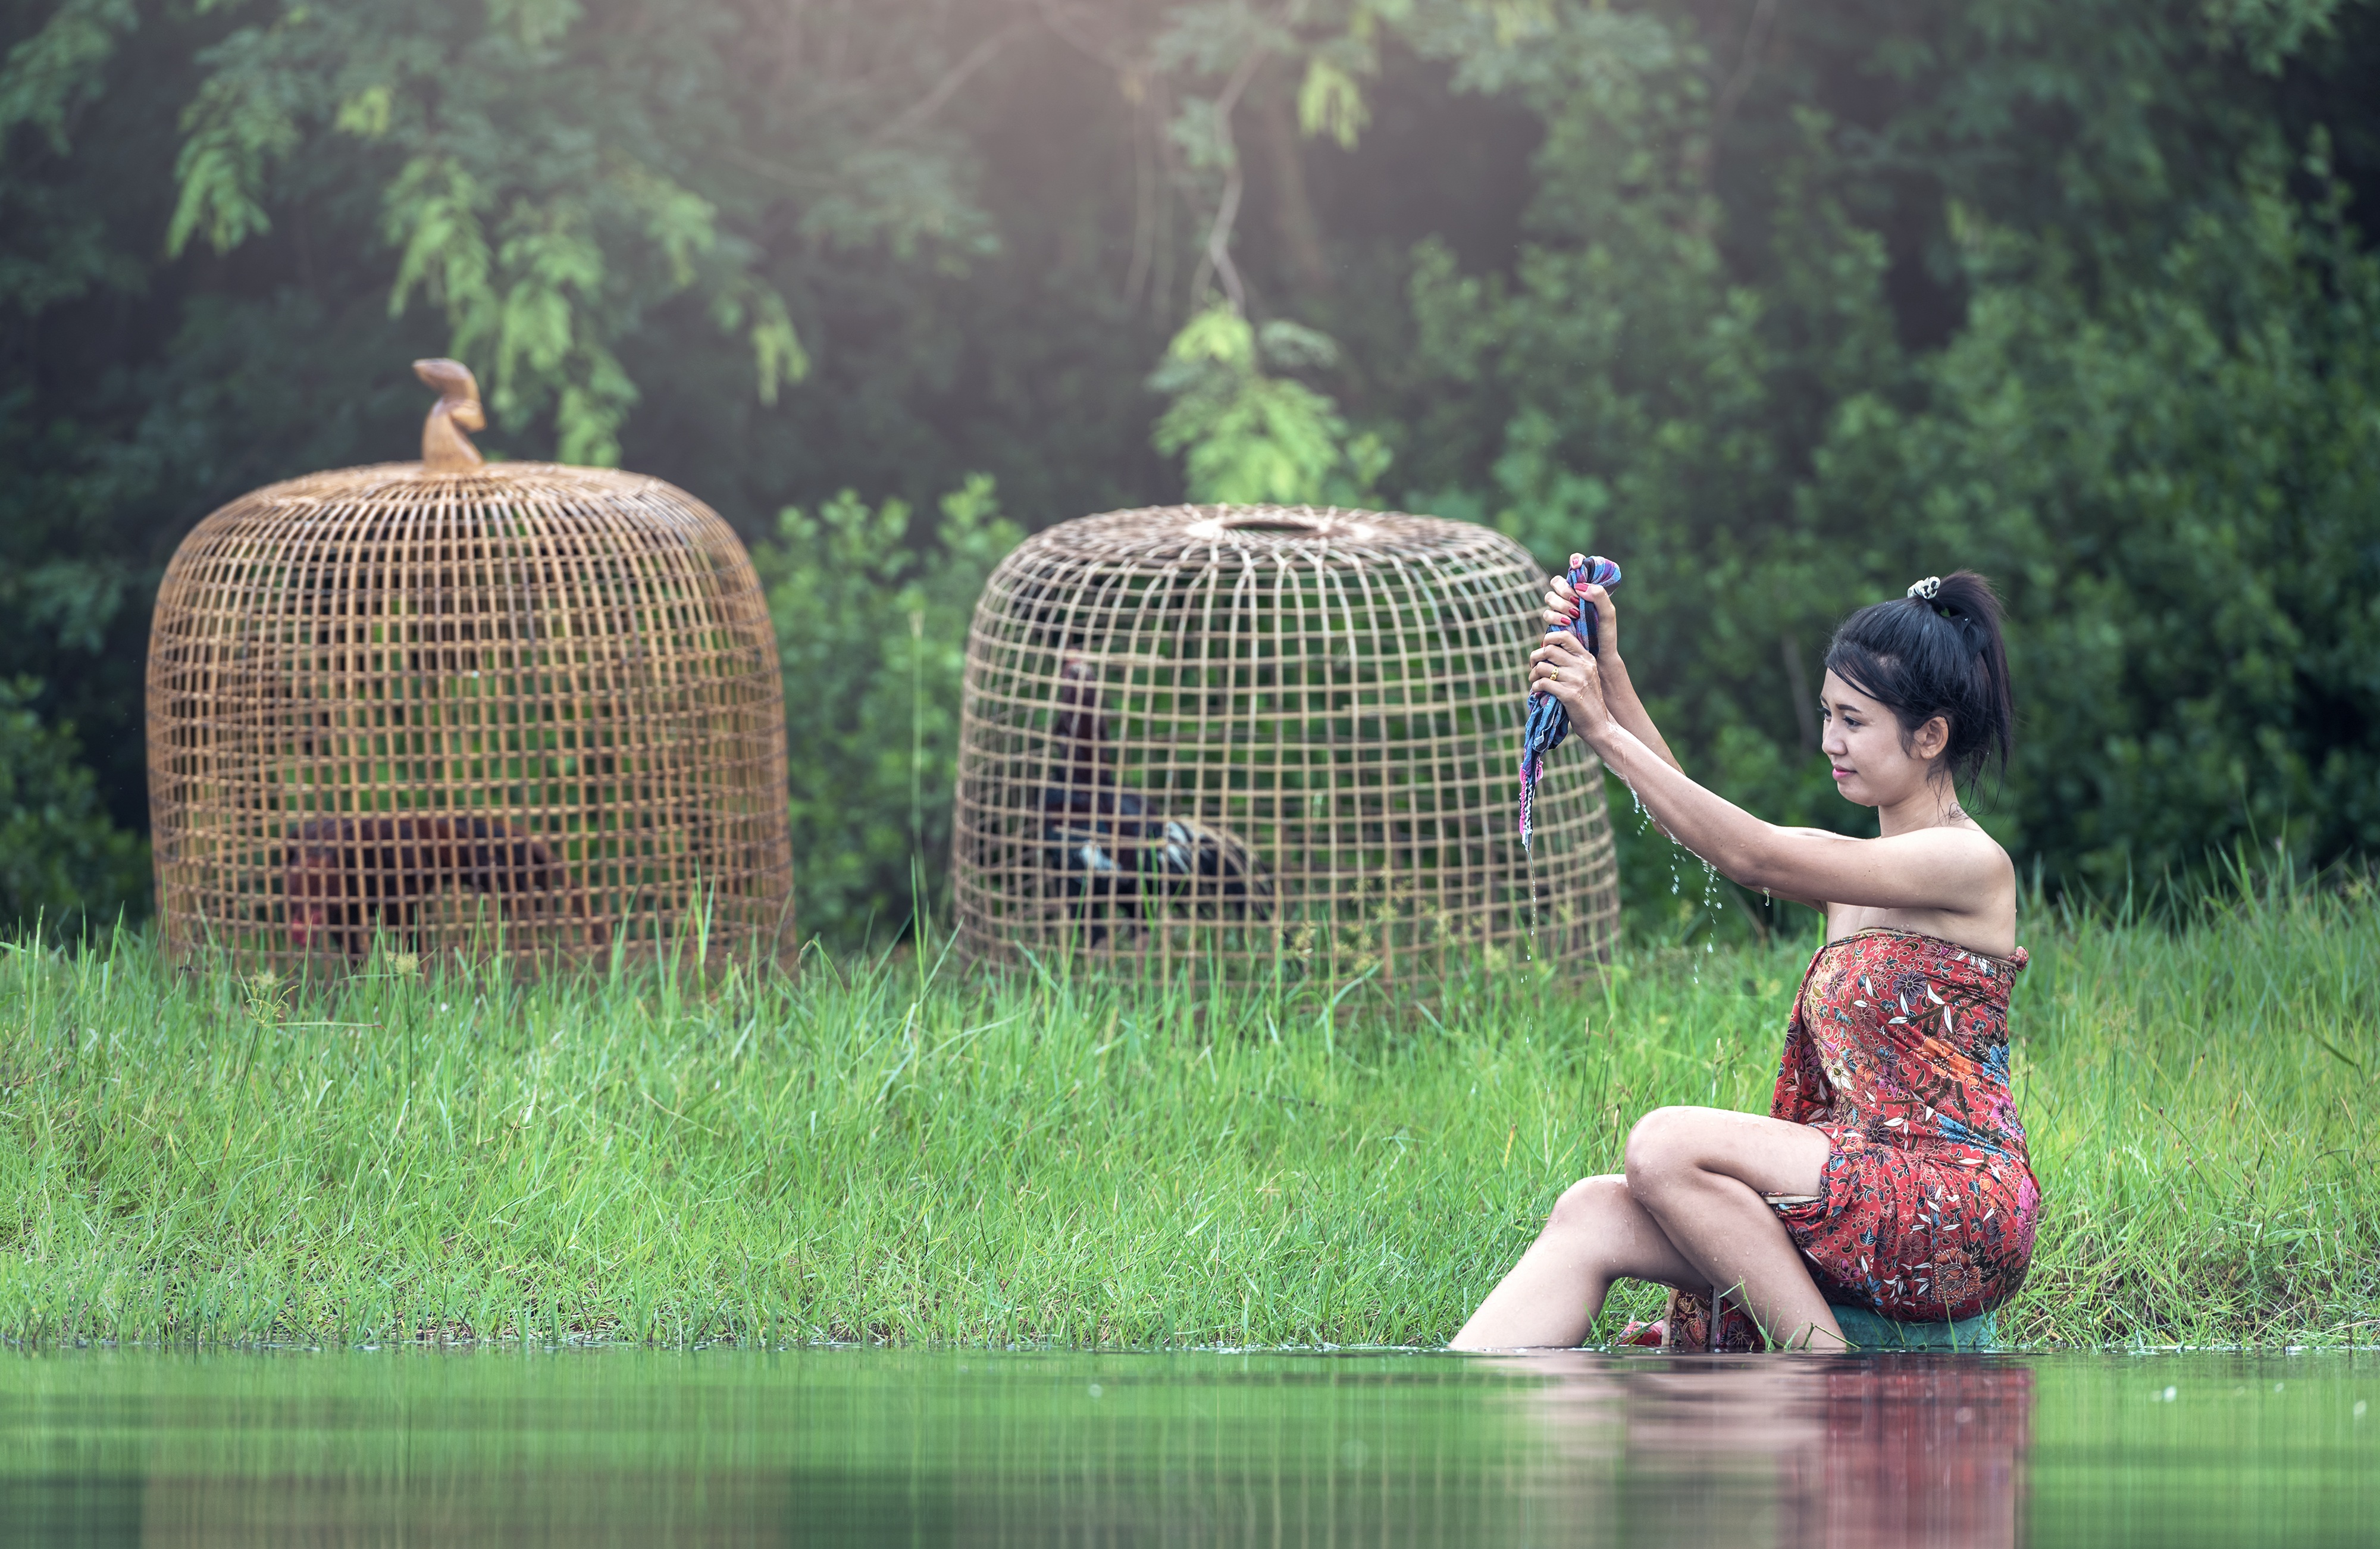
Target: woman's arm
{"x":1943,"y":869}
{"x":1561,"y":608}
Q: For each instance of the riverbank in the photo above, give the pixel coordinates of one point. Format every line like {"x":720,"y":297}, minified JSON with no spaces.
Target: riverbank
{"x":886,"y":1155}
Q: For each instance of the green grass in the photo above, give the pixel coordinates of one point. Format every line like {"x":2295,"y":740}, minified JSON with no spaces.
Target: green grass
{"x":885,"y":1155}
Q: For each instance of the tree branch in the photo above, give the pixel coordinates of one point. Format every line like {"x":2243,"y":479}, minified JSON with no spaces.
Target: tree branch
{"x":1227,"y":213}
{"x":943,"y":90}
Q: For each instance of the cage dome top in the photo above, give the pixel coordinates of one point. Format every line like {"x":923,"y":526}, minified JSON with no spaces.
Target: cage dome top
{"x":1166,"y":535}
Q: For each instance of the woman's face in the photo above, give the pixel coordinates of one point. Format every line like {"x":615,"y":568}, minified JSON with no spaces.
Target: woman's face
{"x":1863,"y":743}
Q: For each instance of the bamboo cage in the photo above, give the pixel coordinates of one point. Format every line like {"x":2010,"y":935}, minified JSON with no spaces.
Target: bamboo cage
{"x":1261,"y":738}
{"x":517,"y":710}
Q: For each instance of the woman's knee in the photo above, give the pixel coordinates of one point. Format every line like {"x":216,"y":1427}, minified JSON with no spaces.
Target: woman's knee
{"x":1587,"y":1203}
{"x":1661,"y":1149}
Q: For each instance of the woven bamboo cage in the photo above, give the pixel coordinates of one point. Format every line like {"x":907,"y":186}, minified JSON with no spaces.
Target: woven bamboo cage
{"x":514,"y":709}
{"x":1258,"y":737}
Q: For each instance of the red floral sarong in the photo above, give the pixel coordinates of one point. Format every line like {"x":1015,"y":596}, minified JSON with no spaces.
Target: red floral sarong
{"x":1898,"y":1050}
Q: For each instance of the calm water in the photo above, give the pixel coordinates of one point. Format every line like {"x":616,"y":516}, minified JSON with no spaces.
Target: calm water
{"x":896,"y":1447}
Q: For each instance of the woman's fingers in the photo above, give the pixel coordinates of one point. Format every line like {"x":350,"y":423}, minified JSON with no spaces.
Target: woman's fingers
{"x":1606,"y":617}
{"x":1562,"y":666}
{"x":1564,"y":604}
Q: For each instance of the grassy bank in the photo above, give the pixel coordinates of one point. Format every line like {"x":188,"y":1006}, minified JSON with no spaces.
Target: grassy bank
{"x":884,"y":1155}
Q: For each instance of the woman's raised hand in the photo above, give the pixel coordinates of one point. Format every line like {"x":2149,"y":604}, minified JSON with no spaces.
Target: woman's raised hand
{"x":1562,"y":667}
{"x":1561,"y":610}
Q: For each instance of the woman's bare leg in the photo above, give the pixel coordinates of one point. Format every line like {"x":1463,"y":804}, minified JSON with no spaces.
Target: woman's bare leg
{"x":1701,"y":1173}
{"x":1596,"y":1234}
{"x":1688,"y":1213}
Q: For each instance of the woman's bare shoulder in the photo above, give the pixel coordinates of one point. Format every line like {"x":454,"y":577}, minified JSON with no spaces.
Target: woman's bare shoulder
{"x":1987,"y":922}
{"x":1971,"y":837}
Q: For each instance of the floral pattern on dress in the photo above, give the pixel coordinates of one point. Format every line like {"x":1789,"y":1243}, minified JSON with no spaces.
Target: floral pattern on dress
{"x":1898,"y":1049}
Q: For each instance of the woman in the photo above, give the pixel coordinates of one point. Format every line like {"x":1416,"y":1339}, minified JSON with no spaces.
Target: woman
{"x":1893,"y":1173}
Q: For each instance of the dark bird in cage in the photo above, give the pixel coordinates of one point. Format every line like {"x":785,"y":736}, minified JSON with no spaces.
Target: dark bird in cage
{"x":351,"y":877}
{"x":1116,"y":857}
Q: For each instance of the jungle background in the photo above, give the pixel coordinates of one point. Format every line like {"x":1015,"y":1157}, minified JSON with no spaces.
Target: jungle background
{"x":1783,"y":304}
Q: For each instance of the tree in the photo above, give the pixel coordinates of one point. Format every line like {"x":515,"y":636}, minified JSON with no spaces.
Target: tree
{"x":63,"y":865}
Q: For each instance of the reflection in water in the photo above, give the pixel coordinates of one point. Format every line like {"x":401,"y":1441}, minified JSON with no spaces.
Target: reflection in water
{"x":964,"y":1448}
{"x":1588,"y":1449}
{"x":1893,"y":1451}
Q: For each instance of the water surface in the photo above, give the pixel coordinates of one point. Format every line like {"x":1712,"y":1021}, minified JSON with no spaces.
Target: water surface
{"x":847,"y":1447}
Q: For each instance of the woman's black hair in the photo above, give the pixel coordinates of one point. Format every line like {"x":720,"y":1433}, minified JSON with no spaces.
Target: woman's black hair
{"x":1923,"y":656}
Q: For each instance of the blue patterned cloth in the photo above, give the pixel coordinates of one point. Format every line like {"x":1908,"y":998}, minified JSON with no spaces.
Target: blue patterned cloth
{"x":1549,"y":724}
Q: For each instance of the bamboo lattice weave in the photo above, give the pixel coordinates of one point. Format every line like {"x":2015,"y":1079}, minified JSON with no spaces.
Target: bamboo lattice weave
{"x":1260,"y":737}
{"x":523,"y":709}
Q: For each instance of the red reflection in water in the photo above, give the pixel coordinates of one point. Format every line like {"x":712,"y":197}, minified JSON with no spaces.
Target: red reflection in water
{"x":1890,"y":1451}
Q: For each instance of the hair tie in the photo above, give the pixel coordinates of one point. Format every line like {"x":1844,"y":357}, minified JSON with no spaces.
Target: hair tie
{"x":1925,"y":590}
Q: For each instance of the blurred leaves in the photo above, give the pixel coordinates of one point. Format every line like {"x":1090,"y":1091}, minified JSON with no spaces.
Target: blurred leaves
{"x":540,"y":224}
{"x":56,"y":69}
{"x":872,"y":606}
{"x":1251,"y":438}
{"x":62,"y":862}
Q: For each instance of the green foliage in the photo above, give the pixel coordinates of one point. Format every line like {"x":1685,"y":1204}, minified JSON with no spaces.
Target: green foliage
{"x":243,"y":120}
{"x":1252,"y":438}
{"x":63,"y":864}
{"x":56,"y":69}
{"x":871,"y":609}
{"x":540,"y":261}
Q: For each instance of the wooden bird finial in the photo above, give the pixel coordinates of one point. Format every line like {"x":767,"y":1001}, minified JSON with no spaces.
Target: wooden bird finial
{"x":444,"y":447}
